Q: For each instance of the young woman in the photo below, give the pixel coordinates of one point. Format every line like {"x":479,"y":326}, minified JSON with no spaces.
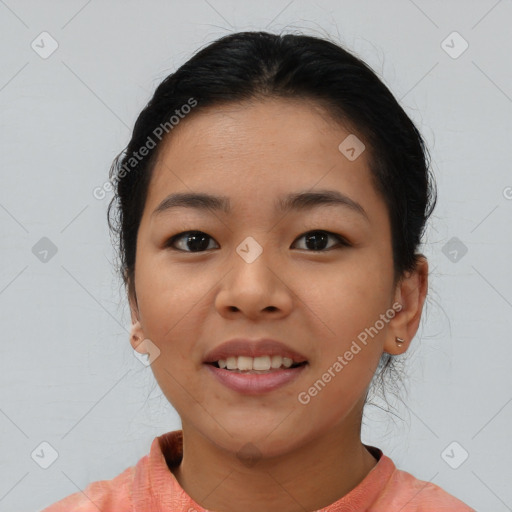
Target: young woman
{"x":269,"y":208}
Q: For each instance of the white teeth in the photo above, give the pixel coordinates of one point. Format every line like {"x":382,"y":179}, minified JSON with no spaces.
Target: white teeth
{"x":277,"y":361}
{"x":244,"y":363}
{"x":287,"y":362}
{"x":231,"y":363}
{"x":262,"y":363}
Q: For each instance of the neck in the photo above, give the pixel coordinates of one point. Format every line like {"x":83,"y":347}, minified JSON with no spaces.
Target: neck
{"x":311,"y":477}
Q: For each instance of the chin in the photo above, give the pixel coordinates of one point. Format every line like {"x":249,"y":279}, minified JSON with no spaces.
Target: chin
{"x":254,"y":442}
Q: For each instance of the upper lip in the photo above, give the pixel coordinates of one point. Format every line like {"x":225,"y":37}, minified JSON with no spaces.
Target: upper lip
{"x":252,"y":348}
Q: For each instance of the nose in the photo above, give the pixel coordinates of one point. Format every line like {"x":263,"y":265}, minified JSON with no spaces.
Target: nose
{"x":256,"y":290}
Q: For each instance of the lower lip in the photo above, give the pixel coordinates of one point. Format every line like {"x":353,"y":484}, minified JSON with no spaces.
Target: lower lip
{"x":253,"y":383}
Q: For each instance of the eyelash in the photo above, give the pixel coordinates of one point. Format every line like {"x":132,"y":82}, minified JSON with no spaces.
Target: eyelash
{"x":342,"y":242}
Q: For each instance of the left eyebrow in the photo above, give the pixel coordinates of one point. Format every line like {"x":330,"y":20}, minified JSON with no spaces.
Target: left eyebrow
{"x":299,"y":201}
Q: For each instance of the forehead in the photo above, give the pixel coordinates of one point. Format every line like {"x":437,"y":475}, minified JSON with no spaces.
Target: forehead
{"x":270,"y":127}
{"x":258,"y":150}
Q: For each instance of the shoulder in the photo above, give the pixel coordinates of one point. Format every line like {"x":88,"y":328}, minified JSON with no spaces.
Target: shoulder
{"x":104,"y":495}
{"x":406,"y":493}
{"x":139,"y":487}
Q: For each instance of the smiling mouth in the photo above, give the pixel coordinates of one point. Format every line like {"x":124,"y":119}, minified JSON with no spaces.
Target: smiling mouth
{"x":247,"y":371}
{"x":271,"y":373}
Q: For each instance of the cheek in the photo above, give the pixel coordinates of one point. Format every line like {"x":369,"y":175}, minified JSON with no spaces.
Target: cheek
{"x":349,"y":343}
{"x":351,"y":338}
{"x":349,"y":299}
{"x":170,"y":299}
{"x":170,"y":302}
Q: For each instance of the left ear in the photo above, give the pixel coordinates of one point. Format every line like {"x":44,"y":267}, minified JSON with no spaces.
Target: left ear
{"x":410,"y":292}
{"x":137,"y":338}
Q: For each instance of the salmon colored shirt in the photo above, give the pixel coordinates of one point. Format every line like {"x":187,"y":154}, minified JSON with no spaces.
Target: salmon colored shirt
{"x":150,"y":486}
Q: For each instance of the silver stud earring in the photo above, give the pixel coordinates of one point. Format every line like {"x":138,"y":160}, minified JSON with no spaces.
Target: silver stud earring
{"x":399,"y":341}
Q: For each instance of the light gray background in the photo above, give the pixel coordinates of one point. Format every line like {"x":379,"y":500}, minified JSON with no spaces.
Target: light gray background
{"x":68,"y":374}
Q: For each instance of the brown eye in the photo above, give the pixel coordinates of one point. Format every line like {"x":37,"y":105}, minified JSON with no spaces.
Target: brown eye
{"x":191,"y":241}
{"x":317,"y":240}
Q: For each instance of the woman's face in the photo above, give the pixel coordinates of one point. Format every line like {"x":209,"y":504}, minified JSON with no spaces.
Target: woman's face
{"x":256,"y":274}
